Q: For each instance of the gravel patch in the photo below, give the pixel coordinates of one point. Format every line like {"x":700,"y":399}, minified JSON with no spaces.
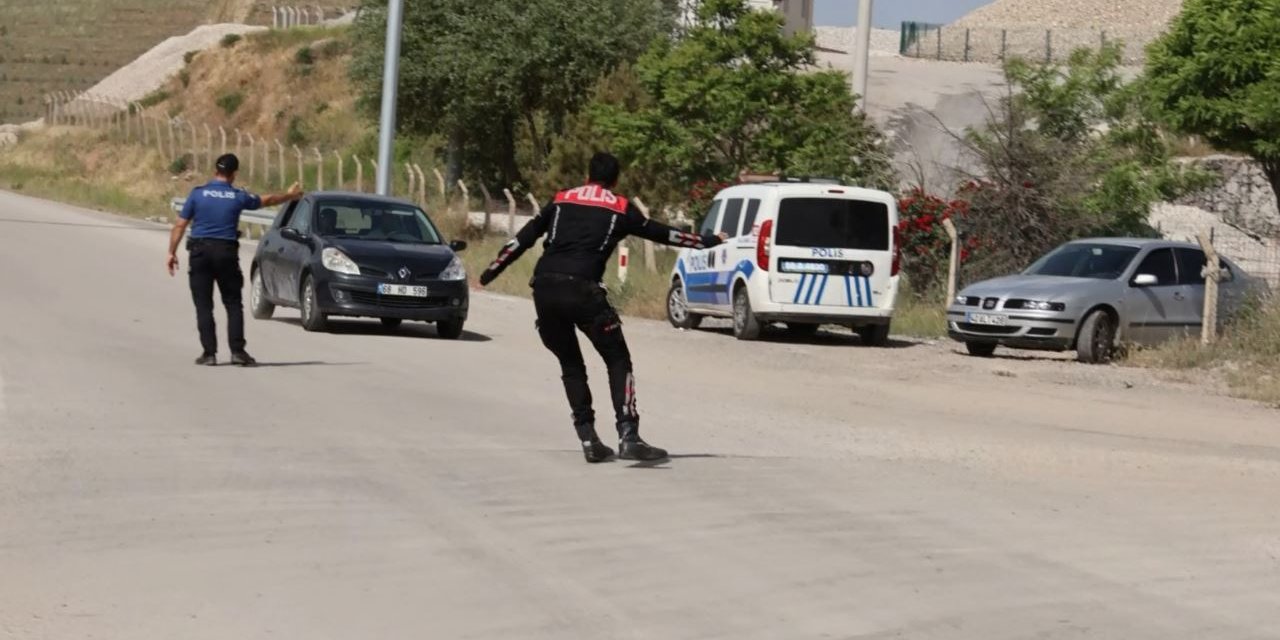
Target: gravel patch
{"x":884,"y":42}
{"x":150,"y":71}
{"x":1073,"y":14}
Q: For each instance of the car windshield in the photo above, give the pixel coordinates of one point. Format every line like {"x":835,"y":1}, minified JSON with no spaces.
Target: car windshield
{"x":1083,"y":260}
{"x":380,"y":221}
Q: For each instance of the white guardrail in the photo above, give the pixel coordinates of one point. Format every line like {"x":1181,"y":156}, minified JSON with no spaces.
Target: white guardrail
{"x":264,"y":217}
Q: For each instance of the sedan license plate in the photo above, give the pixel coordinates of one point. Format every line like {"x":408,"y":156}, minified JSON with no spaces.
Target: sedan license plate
{"x":989,"y":319}
{"x":402,"y":290}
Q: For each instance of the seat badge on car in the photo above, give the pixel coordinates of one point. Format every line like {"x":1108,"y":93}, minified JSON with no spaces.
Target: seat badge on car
{"x":404,"y":273}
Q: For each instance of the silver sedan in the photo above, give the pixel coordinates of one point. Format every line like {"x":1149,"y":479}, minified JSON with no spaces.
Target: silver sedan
{"x":1090,"y":295}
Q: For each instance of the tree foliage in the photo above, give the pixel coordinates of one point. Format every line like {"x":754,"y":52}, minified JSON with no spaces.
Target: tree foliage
{"x":1067,"y":152}
{"x":737,"y":94}
{"x":480,"y":72}
{"x":1215,"y":74}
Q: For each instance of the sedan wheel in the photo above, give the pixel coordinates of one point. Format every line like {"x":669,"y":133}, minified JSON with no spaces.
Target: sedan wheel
{"x":1096,"y":342}
{"x":312,"y":318}
{"x":259,"y":306}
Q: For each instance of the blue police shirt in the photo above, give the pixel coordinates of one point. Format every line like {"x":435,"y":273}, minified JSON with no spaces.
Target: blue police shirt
{"x":215,"y":208}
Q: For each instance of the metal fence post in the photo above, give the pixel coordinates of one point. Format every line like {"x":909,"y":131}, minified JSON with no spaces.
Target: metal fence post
{"x":953,"y":264}
{"x":280,"y":163}
{"x":413,"y":179}
{"x":1212,"y":272}
{"x":511,"y":213}
{"x":319,"y":169}
{"x":342,"y":177}
{"x":222,"y":133}
{"x":208,"y":140}
{"x":966,"y":44}
{"x":1048,"y":45}
{"x":440,"y":181}
{"x":466,"y":201}
{"x":488,"y":205}
{"x":650,"y":259}
{"x":253,"y":154}
{"x":301,"y":175}
{"x":422,"y":186}
{"x":359,"y":173}
{"x":534,"y":201}
{"x":390,"y":188}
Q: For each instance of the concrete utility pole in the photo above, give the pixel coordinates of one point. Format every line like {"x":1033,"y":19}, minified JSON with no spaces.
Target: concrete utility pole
{"x":390,"y":80}
{"x":861,"y":52}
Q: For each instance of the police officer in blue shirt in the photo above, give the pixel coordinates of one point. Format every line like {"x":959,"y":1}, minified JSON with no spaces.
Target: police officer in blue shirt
{"x":213,"y":212}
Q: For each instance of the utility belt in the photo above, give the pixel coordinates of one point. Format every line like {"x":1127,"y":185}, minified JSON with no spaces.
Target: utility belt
{"x":194,"y":243}
{"x":560,"y":278}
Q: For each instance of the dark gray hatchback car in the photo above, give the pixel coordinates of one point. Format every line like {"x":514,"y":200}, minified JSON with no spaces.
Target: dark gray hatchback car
{"x":359,"y":255}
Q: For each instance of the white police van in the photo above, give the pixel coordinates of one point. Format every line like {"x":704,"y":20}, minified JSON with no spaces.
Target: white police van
{"x":805,"y":253}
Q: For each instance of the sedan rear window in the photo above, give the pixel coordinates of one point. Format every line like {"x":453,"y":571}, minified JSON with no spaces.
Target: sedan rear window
{"x":833,"y":223}
{"x":1097,"y":261}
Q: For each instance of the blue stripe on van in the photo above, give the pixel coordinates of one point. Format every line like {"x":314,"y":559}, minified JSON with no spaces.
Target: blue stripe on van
{"x":799,"y":289}
{"x":822,"y":288}
{"x":808,"y":296}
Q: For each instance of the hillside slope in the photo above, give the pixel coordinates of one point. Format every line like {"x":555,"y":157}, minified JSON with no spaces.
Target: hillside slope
{"x":1073,"y":14}
{"x":70,"y":45}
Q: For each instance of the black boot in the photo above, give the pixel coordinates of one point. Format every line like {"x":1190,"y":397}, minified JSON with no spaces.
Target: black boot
{"x":243,"y":359}
{"x":207,"y":360}
{"x":592,"y":448}
{"x":631,"y":447}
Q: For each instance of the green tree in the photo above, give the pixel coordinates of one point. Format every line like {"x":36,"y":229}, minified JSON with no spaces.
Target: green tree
{"x":1216,"y":74}
{"x":1068,"y":151}
{"x":736,"y":94}
{"x":479,"y":73}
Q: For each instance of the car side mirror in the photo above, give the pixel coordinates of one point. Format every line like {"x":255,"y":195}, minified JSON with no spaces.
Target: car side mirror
{"x":289,"y":233}
{"x":458,"y":245}
{"x":1145,"y":280}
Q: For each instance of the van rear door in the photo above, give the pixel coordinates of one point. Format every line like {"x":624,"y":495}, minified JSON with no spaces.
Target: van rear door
{"x":831,"y":252}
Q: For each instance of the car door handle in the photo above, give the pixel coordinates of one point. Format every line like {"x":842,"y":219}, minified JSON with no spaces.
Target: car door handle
{"x":1179,"y":296}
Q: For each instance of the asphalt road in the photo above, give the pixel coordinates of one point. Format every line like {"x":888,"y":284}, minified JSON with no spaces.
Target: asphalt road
{"x":376,"y":485}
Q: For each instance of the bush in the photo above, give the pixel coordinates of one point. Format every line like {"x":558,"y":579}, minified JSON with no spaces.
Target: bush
{"x":295,"y":134}
{"x":189,"y":56}
{"x":180,"y":165}
{"x":230,"y":102}
{"x":185,"y":77}
{"x":154,"y":98}
{"x":304,"y":56}
{"x":230,"y":40}
{"x":926,"y":247}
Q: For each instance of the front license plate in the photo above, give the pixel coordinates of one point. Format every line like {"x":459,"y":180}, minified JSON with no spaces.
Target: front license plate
{"x":402,"y":290}
{"x":989,"y":319}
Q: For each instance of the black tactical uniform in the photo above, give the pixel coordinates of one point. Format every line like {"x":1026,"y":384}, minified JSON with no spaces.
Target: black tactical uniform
{"x":583,"y":226}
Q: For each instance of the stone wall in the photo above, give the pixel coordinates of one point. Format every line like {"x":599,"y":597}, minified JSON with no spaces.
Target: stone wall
{"x":1243,"y":198}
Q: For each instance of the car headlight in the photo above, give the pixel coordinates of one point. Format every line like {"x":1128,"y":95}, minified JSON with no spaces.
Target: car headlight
{"x":455,"y":270}
{"x":1041,"y":305}
{"x":338,"y":262}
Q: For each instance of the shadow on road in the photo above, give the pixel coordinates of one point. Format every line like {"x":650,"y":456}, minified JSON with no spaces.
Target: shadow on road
{"x":374,"y":328}
{"x":307,"y":363}
{"x":822,"y":338}
{"x":84,"y":224}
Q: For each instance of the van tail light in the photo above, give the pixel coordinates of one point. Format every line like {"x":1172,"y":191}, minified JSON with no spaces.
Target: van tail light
{"x":763,"y":244}
{"x":897,"y":252}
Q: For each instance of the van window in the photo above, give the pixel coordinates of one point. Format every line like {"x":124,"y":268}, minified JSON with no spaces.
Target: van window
{"x":749,"y":223}
{"x":732,"y":216}
{"x":833,"y":223}
{"x":712,"y":220}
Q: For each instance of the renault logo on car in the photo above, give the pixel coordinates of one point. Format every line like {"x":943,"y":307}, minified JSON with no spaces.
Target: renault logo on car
{"x":404,"y":273}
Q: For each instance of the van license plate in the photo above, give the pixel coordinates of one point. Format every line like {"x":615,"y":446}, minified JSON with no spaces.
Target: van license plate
{"x":989,"y":319}
{"x":402,"y":290}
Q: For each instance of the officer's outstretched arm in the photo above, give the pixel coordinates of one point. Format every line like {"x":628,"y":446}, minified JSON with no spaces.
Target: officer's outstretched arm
{"x":512,"y":251}
{"x":640,"y":225}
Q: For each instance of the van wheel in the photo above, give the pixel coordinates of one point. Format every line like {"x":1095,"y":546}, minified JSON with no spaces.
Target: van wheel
{"x":1096,"y":342}
{"x":678,"y":313}
{"x":981,"y":349}
{"x":745,"y":324}
{"x":875,"y":335}
{"x":259,"y":306}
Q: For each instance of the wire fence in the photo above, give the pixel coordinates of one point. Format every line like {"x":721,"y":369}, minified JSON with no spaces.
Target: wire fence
{"x":995,"y":45}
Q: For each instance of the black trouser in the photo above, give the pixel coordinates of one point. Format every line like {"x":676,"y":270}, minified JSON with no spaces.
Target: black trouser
{"x":217,"y":261}
{"x":566,"y":305}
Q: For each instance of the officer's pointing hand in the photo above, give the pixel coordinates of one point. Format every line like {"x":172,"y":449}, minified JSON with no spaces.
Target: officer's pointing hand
{"x":295,"y":191}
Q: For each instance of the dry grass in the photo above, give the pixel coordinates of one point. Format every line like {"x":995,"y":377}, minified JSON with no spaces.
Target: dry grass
{"x":1247,"y":357}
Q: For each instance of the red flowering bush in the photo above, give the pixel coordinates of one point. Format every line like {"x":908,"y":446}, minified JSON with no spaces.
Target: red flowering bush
{"x":926,"y":247}
{"x":700,"y":196}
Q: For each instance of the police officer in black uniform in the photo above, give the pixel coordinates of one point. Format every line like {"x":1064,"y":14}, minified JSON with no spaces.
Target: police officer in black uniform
{"x":583,"y":226}
{"x":213,"y":212}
